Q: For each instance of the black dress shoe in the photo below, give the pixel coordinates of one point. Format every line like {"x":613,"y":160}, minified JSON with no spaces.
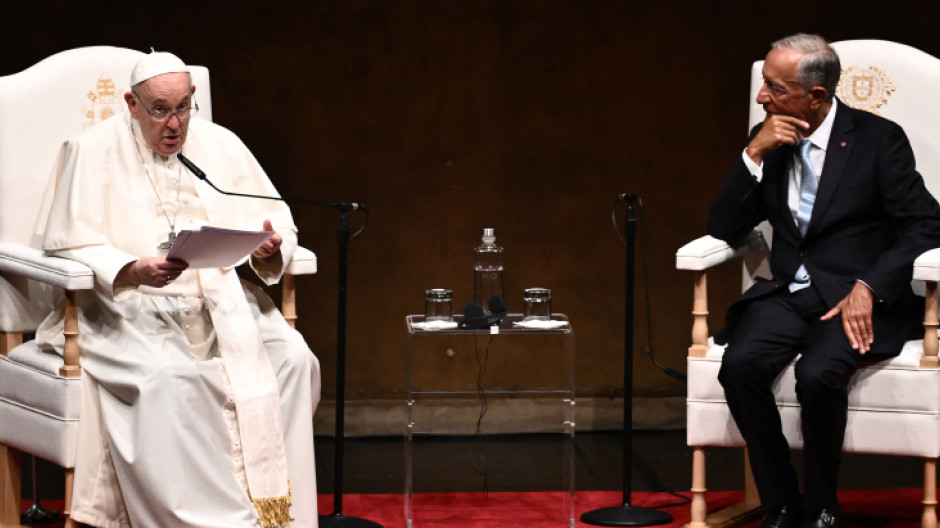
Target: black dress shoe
{"x":786,"y":516}
{"x":827,"y":518}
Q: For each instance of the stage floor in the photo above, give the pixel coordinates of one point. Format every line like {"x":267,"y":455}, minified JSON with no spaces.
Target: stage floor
{"x":660,"y":462}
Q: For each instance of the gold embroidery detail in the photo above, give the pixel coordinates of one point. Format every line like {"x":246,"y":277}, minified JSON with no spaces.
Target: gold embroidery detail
{"x":865,"y":89}
{"x":274,"y":512}
{"x":106,"y":101}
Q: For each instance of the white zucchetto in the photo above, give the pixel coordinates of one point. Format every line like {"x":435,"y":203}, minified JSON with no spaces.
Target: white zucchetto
{"x":157,"y":63}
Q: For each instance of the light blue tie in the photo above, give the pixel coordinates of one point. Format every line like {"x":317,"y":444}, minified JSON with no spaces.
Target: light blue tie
{"x":808,"y":186}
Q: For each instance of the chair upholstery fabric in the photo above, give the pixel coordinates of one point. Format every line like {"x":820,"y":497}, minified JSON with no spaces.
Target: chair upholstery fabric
{"x":43,"y":405}
{"x":894,"y":406}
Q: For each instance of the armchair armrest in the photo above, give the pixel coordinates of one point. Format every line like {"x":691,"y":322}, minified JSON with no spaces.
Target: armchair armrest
{"x":67,"y":274}
{"x":698,"y":256}
{"x":707,"y":251}
{"x":927,"y":266}
{"x":927,"y":269}
{"x":33,"y":264}
{"x":304,"y":262}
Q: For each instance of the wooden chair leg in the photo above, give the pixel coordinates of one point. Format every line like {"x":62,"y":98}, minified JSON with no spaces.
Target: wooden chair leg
{"x":67,"y":508}
{"x":735,"y":515}
{"x":11,"y":472}
{"x":699,"y":505}
{"x":11,"y":484}
{"x":289,"y":300}
{"x":929,"y":517}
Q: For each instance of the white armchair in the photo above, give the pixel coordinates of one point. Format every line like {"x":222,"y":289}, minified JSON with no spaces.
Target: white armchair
{"x":894,"y":405}
{"x":40,"y":107}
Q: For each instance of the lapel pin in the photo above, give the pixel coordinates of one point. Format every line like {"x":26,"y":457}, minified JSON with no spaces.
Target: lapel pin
{"x":843,"y":143}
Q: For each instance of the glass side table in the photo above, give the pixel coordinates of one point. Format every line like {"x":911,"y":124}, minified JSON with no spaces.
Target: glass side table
{"x":475,"y":387}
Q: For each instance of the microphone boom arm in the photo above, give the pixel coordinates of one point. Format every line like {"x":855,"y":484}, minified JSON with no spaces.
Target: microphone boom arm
{"x":197,"y":172}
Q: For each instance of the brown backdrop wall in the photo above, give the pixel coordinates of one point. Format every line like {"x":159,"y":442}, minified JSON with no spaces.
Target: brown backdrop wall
{"x":445,"y":117}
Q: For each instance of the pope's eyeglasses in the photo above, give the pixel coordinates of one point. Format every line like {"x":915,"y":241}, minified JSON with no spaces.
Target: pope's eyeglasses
{"x":161,"y":114}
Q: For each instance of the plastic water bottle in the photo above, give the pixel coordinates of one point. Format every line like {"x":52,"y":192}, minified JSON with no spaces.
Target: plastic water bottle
{"x":487,"y":269}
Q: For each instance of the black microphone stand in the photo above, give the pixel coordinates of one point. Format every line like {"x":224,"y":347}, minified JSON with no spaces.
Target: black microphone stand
{"x":627,"y":514}
{"x":335,"y":519}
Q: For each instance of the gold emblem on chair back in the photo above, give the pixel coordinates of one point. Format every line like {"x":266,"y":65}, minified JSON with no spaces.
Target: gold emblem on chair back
{"x":865,"y":88}
{"x":106,"y":100}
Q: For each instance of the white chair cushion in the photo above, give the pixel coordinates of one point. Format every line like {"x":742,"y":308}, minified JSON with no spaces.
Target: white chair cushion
{"x":43,"y":405}
{"x":896,"y":411}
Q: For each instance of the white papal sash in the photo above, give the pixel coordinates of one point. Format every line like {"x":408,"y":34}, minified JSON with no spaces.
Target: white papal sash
{"x":255,"y":390}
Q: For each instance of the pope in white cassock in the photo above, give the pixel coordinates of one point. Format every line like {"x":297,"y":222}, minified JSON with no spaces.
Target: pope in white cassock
{"x":198,"y":397}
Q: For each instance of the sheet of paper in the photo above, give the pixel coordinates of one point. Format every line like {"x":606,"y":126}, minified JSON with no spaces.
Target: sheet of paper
{"x":212,"y":247}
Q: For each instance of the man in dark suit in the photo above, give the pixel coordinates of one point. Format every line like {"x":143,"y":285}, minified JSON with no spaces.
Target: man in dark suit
{"x":849,"y":214}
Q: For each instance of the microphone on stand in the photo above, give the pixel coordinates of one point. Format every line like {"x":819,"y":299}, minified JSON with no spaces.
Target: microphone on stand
{"x":197,"y":172}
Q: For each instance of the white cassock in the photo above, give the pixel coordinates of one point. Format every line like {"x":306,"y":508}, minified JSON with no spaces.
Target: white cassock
{"x":162,"y":441}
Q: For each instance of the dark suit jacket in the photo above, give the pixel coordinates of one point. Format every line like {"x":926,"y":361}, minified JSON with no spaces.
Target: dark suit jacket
{"x":871,"y":219}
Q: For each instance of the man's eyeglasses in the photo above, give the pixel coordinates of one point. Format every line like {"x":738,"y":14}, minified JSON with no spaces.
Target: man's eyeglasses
{"x":161,"y":114}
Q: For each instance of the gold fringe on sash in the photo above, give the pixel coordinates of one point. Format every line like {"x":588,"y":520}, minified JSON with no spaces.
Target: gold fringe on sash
{"x":273,"y":512}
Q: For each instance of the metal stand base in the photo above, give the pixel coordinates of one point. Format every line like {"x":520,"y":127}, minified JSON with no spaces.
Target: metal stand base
{"x":36,"y":514}
{"x":338,"y":520}
{"x":626,"y":515}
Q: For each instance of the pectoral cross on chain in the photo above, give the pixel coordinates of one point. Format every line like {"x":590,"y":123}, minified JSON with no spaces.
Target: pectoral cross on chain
{"x":169,"y":241}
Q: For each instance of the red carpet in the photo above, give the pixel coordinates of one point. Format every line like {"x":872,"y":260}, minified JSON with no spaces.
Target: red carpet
{"x":863,"y":508}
